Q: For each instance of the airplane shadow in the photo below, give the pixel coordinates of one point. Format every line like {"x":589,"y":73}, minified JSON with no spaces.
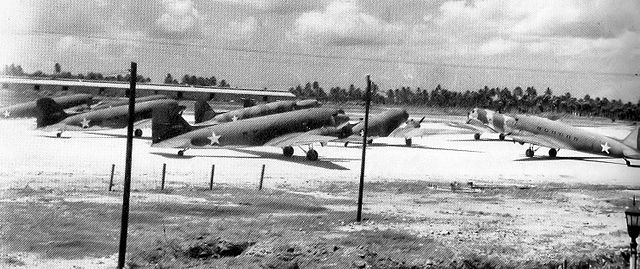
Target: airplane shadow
{"x":326,"y":163}
{"x":382,"y":145}
{"x":585,"y":159}
{"x":55,"y":137}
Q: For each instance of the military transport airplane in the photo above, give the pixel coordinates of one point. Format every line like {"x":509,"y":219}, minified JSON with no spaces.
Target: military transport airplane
{"x":205,"y":116}
{"x":283,"y":130}
{"x":486,"y":121}
{"x":51,"y":116}
{"x":557,"y":135}
{"x":30,"y":110}
{"x":390,"y":123}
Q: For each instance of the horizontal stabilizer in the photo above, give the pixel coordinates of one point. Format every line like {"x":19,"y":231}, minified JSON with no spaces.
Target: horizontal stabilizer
{"x":633,"y":139}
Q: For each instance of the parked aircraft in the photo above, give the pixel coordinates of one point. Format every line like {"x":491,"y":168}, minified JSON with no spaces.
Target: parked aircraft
{"x":52,"y":117}
{"x":29,"y":109}
{"x":283,"y":130}
{"x":206,"y":116}
{"x":390,"y":123}
{"x":557,"y":135}
{"x":485,"y":120}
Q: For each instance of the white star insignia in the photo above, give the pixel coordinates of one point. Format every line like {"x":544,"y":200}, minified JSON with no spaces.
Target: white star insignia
{"x":85,"y":123}
{"x":6,"y":113}
{"x":234,"y":118}
{"x":605,"y":147}
{"x":215,"y":139}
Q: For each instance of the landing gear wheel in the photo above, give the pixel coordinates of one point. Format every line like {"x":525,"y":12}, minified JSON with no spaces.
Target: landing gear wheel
{"x":476,"y":136}
{"x":529,"y":153}
{"x":312,"y":155}
{"x":287,"y":151}
{"x":137,"y":133}
{"x":346,"y":144}
{"x":501,"y":136}
{"x":553,"y":153}
{"x":521,"y":143}
{"x":370,"y":141}
{"x":180,"y":152}
{"x":407,"y":141}
{"x":59,"y":135}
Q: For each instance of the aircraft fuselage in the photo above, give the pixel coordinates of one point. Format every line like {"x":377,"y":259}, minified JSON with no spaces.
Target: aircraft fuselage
{"x":258,"y":131}
{"x":29,"y":109}
{"x":384,"y":123}
{"x":108,"y":118}
{"x":579,"y":139}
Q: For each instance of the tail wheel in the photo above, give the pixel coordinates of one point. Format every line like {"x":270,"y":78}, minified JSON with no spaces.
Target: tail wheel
{"x":501,"y":136}
{"x":312,"y":155}
{"x":529,"y":153}
{"x":137,"y":133}
{"x":346,"y":144}
{"x":59,"y":135}
{"x":553,"y":153}
{"x":476,"y":136}
{"x":407,"y":141}
{"x":287,"y":151}
{"x":180,"y":152}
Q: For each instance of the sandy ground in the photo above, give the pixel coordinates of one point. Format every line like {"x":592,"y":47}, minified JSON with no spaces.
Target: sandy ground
{"x":537,"y":202}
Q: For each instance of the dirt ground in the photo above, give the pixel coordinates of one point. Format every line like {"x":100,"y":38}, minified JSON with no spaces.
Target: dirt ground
{"x":447,"y":202}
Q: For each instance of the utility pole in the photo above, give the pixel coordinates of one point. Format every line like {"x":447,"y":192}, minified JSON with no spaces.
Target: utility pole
{"x":367,"y":101}
{"x":127,"y":168}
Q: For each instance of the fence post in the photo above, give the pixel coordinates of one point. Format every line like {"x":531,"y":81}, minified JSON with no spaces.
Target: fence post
{"x":113,"y":168}
{"x":261,"y":178}
{"x":213,"y":170}
{"x":164,"y":171}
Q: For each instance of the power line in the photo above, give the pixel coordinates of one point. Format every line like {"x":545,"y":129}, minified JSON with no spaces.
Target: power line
{"x":330,"y":57}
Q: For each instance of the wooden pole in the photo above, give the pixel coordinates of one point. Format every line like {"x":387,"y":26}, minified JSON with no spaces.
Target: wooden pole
{"x":367,"y":100}
{"x":213,"y":170}
{"x":164,"y":171}
{"x":261,"y":178}
{"x":124,"y":225}
{"x":113,"y":168}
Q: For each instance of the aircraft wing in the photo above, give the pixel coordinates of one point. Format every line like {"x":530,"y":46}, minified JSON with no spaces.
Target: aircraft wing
{"x":296,"y":139}
{"x":543,"y":141}
{"x":473,"y":125}
{"x":140,"y":86}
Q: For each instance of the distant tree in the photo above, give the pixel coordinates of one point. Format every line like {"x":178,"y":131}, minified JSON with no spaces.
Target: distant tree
{"x":57,"y":68}
{"x":168,"y":79}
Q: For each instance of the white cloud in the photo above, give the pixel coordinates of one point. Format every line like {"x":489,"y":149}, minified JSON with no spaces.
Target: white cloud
{"x":343,"y":23}
{"x":244,"y":29}
{"x":179,"y":17}
{"x":569,"y":27}
{"x":277,"y":6}
{"x":497,"y":46}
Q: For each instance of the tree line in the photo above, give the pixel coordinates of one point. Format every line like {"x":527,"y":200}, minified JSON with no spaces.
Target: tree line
{"x":517,"y":100}
{"x":198,"y":81}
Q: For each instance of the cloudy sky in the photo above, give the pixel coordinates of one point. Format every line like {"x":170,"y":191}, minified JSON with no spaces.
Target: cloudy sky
{"x":577,"y":46}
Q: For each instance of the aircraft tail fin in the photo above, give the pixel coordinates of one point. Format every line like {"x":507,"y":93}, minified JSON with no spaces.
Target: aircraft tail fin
{"x":49,"y":112}
{"x":167,"y":122}
{"x":633,"y":139}
{"x":203,"y":112}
